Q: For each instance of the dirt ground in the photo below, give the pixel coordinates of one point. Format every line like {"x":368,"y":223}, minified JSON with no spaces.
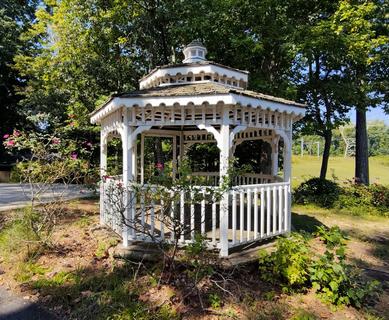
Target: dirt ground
{"x":79,"y":275}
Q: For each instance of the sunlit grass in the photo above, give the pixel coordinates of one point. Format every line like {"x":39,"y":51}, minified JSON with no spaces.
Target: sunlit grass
{"x":340,"y":168}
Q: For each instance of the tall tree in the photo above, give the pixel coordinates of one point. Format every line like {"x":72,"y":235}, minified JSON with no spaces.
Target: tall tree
{"x":15,"y":18}
{"x":359,"y":24}
{"x":320,"y":80}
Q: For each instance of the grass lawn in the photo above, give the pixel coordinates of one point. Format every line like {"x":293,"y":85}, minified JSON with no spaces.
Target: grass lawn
{"x":340,"y":167}
{"x":79,"y":276}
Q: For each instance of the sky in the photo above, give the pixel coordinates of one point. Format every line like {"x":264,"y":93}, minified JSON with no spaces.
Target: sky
{"x":373,"y":114}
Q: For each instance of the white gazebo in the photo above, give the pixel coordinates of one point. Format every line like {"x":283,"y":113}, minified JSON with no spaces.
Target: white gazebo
{"x":200,"y":101}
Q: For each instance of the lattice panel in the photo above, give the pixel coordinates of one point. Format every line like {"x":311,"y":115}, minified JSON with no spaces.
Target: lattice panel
{"x":209,"y":114}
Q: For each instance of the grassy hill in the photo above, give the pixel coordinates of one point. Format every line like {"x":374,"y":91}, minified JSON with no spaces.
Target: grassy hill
{"x":342,"y":168}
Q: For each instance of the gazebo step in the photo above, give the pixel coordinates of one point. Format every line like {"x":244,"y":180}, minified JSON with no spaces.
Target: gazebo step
{"x":139,"y":251}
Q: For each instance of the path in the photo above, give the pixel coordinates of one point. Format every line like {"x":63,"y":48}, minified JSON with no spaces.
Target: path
{"x":15,"y":195}
{"x":15,"y":308}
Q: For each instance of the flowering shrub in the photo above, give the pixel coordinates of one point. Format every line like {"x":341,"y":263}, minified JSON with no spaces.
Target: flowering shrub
{"x":47,"y":159}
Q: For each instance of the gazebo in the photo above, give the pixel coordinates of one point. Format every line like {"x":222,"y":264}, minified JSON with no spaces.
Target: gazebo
{"x":200,"y":101}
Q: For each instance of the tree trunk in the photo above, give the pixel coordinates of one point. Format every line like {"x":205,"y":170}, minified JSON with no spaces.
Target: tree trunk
{"x":326,"y":153}
{"x":361,"y":148}
{"x":158,"y":153}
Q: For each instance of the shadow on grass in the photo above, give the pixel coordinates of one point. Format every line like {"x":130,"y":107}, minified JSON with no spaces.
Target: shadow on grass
{"x":304,"y":222}
{"x":104,"y":294}
{"x":127,"y":292}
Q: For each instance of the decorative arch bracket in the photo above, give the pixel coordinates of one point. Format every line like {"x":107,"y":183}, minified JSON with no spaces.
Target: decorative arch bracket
{"x":285,"y":138}
{"x":212,"y":130}
{"x":235,"y":131}
{"x":134,"y":134}
{"x":217,"y":134}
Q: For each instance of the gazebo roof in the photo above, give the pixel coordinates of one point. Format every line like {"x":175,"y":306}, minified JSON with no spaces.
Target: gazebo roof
{"x":196,"y":81}
{"x":207,"y":88}
{"x":190,"y":90}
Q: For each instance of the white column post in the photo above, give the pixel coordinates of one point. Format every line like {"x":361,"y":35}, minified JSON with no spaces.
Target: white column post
{"x":225,"y":146}
{"x":288,"y":172}
{"x":127,"y":144}
{"x":287,"y":160}
{"x":134,"y":155}
{"x":274,"y":156}
{"x":142,"y":158}
{"x":103,"y":172}
{"x":174,"y":165}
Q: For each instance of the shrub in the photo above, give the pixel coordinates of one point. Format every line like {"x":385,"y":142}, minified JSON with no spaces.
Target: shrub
{"x":336,"y":281}
{"x":379,"y":195}
{"x":360,"y":199}
{"x":332,"y":237}
{"x":296,"y":267}
{"x":323,"y":193}
{"x":288,"y":264}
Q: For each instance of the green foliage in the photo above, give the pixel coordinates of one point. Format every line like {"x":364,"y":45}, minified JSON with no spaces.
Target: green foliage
{"x":360,"y":199}
{"x":296,"y":267}
{"x":15,"y":18}
{"x":198,"y":256}
{"x":10,"y":235}
{"x":304,"y":315}
{"x":377,"y":131}
{"x":214,"y":300}
{"x":351,"y":198}
{"x":27,"y":270}
{"x":332,"y":237}
{"x":288,"y":264}
{"x":27,"y":233}
{"x":321,"y":192}
{"x":336,"y":281}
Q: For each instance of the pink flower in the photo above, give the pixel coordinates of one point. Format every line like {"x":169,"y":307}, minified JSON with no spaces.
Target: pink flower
{"x":159,"y":166}
{"x":6,"y":136}
{"x":74,"y":155}
{"x":10,"y":143}
{"x":72,"y":124}
{"x":16,"y":133}
{"x":55,"y":141}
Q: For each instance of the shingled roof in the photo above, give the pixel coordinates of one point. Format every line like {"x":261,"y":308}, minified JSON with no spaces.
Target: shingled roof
{"x":207,"y":88}
{"x":196,"y":89}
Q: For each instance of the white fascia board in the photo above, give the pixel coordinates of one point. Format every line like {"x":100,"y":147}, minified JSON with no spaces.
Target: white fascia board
{"x":208,"y":68}
{"x":268,"y":104}
{"x":227,"y":99}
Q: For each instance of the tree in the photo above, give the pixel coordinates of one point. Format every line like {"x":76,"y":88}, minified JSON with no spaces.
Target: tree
{"x":15,"y":17}
{"x":321,"y":81}
{"x":361,"y":28}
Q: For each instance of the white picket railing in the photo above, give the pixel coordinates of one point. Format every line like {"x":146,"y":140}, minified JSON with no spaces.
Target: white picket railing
{"x":258,"y":212}
{"x":255,"y":212}
{"x":213,"y":178}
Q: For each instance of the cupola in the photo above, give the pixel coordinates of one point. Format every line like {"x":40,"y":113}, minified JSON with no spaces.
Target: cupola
{"x":195,"y":68}
{"x":194,"y":52}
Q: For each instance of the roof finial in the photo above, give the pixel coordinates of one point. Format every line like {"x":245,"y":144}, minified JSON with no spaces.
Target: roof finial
{"x":194,"y":52}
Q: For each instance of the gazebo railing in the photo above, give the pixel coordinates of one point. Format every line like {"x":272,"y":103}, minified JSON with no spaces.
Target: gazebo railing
{"x":255,"y":212}
{"x":213,"y":178}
